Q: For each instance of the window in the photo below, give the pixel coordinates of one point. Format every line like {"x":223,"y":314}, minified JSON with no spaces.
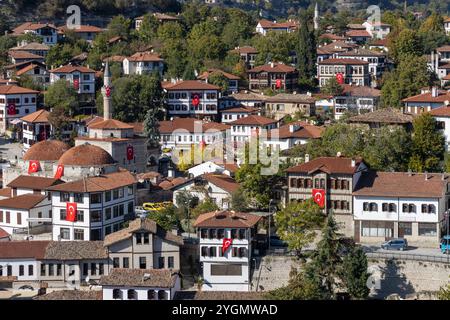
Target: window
{"x":146,"y":238}
{"x":117,"y":294}
{"x":151,"y":295}
{"x":130,"y":190}
{"x":212,"y":251}
{"x":78,"y":197}
{"x":377,"y":229}
{"x":107,"y":213}
{"x":170,"y":262}
{"x":8,"y":217}
{"x":21,"y":270}
{"x":142,"y":262}
{"x":96,"y":198}
{"x":115,"y":262}
{"x":9,"y":271}
{"x":93,"y":268}
{"x":59,"y":269}
{"x":85,"y":269}
{"x":405,"y":228}
{"x":30,"y":270}
{"x":62,"y":214}
{"x":161,"y":263}
{"x":120,"y":193}
{"x":428,"y":208}
{"x":125,"y":262}
{"x":96,"y":215}
{"x":226,"y":270}
{"x":51,"y":269}
{"x":116,"y":194}
{"x":130,"y":207}
{"x":107,"y":196}
{"x":65,"y":233}
{"x":427,"y":229}
{"x":64,"y":197}
{"x":101,"y":269}
{"x":373,"y":206}
{"x":212,"y":233}
{"x":115,"y":211}
{"x":19,"y":218}
{"x":220,"y":233}
{"x":233,"y":233}
{"x":242,"y":234}
{"x":80,"y":215}
{"x":78,"y":234}
{"x":204,"y":251}
{"x":42,"y":270}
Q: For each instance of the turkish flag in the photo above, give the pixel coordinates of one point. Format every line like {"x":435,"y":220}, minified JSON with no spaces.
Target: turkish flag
{"x":226,"y":243}
{"x":59,"y":171}
{"x":108,"y":91}
{"x":340,"y":78}
{"x":71,"y":211}
{"x":319,"y":197}
{"x":76,"y":84}
{"x":11,"y":109}
{"x":33,"y":166}
{"x":255,"y":132}
{"x":202,"y":144}
{"x":130,"y":152}
{"x":278,"y":84}
{"x":195,"y":99}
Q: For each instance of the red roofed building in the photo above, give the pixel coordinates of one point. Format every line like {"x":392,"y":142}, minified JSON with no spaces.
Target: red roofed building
{"x":358,"y":36}
{"x":142,"y":63}
{"x":346,"y":71}
{"x":276,"y":76}
{"x":291,"y":134}
{"x":336,"y":176}
{"x":233,"y":81}
{"x":85,"y":32}
{"x":192,"y":98}
{"x":243,"y":128}
{"x":81,"y":78}
{"x":264,"y":26}
{"x":247,"y":54}
{"x":427,"y":100}
{"x":48,"y":32}
{"x":232,"y":114}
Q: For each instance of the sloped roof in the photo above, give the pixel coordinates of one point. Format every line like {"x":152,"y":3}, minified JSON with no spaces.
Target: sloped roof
{"x":443,"y":111}
{"x":402,"y":184}
{"x":36,"y":46}
{"x":71,"y":295}
{"x":442,"y":96}
{"x":23,"y":249}
{"x":86,"y":155}
{"x":266,"y":24}
{"x":110,"y":124}
{"x":70,"y":68}
{"x":25,"y":201}
{"x":357,"y":33}
{"x":253,"y":119}
{"x":327,"y":164}
{"x":277,"y":67}
{"x":189,"y":85}
{"x":361,"y":52}
{"x":75,"y":250}
{"x":33,"y":182}
{"x":384,"y":115}
{"x":155,"y":278}
{"x":27,"y":68}
{"x":227,"y":219}
{"x":46,"y":150}
{"x":343,"y":61}
{"x":145,"y":56}
{"x":40,"y":116}
{"x":31,"y":26}
{"x":189,"y":124}
{"x":291,"y":97}
{"x":360,"y":91}
{"x":18,"y":54}
{"x":141,"y":224}
{"x":13,"y":89}
{"x":245,"y":49}
{"x":206,"y":74}
{"x":305,"y":130}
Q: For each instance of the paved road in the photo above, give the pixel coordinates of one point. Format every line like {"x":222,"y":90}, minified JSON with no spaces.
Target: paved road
{"x":9,"y":150}
{"x":411,"y":250}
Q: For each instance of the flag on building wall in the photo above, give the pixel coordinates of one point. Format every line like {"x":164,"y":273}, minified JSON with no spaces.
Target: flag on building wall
{"x":71,"y":211}
{"x":59,"y":171}
{"x":195,"y":99}
{"x":226,"y":243}
{"x":76,"y":84}
{"x":319,"y":197}
{"x":340,"y":78}
{"x":278,"y":84}
{"x":11,"y":109}
{"x":33,"y":166}
{"x":130,"y":152}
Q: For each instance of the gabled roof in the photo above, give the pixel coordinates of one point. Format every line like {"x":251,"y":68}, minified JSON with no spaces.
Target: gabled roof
{"x":357,"y":33}
{"x":360,"y":91}
{"x":75,"y":250}
{"x":291,"y":98}
{"x":222,"y":181}
{"x":266,"y":24}
{"x":253,"y":119}
{"x":302,"y":130}
{"x":40,"y":116}
{"x":275,"y":67}
{"x":189,"y":85}
{"x":24,"y":202}
{"x":205,"y":75}
{"x":110,"y":124}
{"x":189,"y":124}
{"x":34,"y":46}
{"x":70,"y":69}
{"x":443,"y":111}
{"x":149,"y":278}
{"x":27,"y":68}
{"x":242,"y":109}
{"x":100,"y":183}
{"x":441,"y":97}
{"x":332,"y":36}
{"x":18,"y":54}
{"x":226,"y":219}
{"x":145,"y":56}
{"x":12,"y":89}
{"x":33,"y":182}
{"x":383,"y":115}
{"x":141,"y":225}
{"x":31,"y":26}
{"x":445,"y":48}
{"x":361,"y":52}
{"x":330,"y":165}
{"x":81,"y":29}
{"x":402,"y":184}
{"x":246,"y":96}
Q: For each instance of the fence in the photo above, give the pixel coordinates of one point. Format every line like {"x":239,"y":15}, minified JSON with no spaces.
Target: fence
{"x":409,"y":256}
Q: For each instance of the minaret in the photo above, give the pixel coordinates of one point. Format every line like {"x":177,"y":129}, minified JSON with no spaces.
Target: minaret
{"x":316,"y":17}
{"x":106,"y":92}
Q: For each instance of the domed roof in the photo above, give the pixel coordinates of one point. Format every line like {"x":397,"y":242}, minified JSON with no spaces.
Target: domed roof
{"x":47,"y":150}
{"x":86,"y":155}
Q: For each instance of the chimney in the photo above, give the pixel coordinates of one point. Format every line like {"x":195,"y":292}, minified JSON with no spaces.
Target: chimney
{"x":272,"y":65}
{"x":426,"y":176}
{"x":338,"y":154}
{"x":306,"y":158}
{"x":409,"y":173}
{"x":291,"y":128}
{"x":434,"y":92}
{"x":353,"y":163}
{"x":309,"y":94}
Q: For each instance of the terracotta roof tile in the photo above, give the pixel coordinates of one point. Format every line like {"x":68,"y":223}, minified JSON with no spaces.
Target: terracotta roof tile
{"x":4,"y":234}
{"x":86,"y":155}
{"x":6,"y":192}
{"x":226,"y":219}
{"x":25,"y":201}
{"x":72,"y":295}
{"x":69,"y":69}
{"x":253,"y":120}
{"x":145,"y":56}
{"x":47,"y":150}
{"x":189,"y":124}
{"x":327,"y":164}
{"x":205,"y":75}
{"x":38,"y":116}
{"x":339,"y":61}
{"x":427,"y":97}
{"x":266,"y":24}
{"x":290,"y":97}
{"x":110,"y":124}
{"x":32,"y":46}
{"x":75,"y":250}
{"x":384,"y":115}
{"x":277,"y":67}
{"x":23,"y":249}
{"x":82,"y":28}
{"x":16,"y":54}
{"x":402,"y":184}
{"x":360,"y":91}
{"x":12,"y":89}
{"x":357,"y":33}
{"x":222,"y":181}
{"x":361,"y":52}
{"x":445,"y":48}
{"x":189,"y":85}
{"x":33,"y":182}
{"x":242,"y":109}
{"x":31,"y":26}
{"x":304,"y":130}
{"x":155,"y":278}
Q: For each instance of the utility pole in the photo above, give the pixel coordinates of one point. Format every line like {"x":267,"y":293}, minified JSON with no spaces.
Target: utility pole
{"x":270,"y":213}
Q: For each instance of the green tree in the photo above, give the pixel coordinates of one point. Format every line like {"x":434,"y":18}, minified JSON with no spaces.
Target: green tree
{"x":354,"y":273}
{"x":207,"y":205}
{"x":218,"y":79}
{"x":62,"y":95}
{"x":444,"y":293}
{"x":119,"y":27}
{"x":166,"y":218}
{"x":332,"y":87}
{"x":406,"y":44}
{"x":148,"y":28}
{"x":239,"y":202}
{"x":275,"y":47}
{"x":428,"y":145}
{"x":306,"y":53}
{"x":406,"y":80}
{"x":297,"y":224}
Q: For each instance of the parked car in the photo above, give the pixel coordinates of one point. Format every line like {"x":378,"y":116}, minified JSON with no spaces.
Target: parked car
{"x":275,"y":241}
{"x":395,"y":244}
{"x":445,"y":244}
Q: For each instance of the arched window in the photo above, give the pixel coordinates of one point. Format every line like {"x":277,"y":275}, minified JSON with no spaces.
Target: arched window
{"x":151,"y":295}
{"x":132,"y":294}
{"x":162,"y":295}
{"x":431,"y":208}
{"x":117,"y":294}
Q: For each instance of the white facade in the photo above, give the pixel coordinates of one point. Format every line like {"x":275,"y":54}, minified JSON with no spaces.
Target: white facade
{"x":207,"y":167}
{"x":25,"y":269}
{"x":180,"y":103}
{"x":24,"y":104}
{"x":142,"y":67}
{"x":140,"y":293}
{"x":232,"y":116}
{"x":220,"y":196}
{"x":238,"y":254}
{"x":101,"y":213}
{"x":242,"y":133}
{"x":86,"y":80}
{"x":48,"y":34}
{"x":357,"y":104}
{"x":182,"y":138}
{"x":447,"y":26}
{"x":444,"y":125}
{"x":377,"y":31}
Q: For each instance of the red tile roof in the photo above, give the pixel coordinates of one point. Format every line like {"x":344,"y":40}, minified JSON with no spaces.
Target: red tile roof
{"x":47,"y":150}
{"x":226,"y":219}
{"x":3,"y":234}
{"x":357,"y":33}
{"x":23,"y":249}
{"x":33,"y":182}
{"x":189,"y":85}
{"x":338,"y":61}
{"x":253,"y":120}
{"x":266,"y":24}
{"x":82,"y":28}
{"x":110,"y":124}
{"x":86,"y":155}
{"x":402,"y":184}
{"x":327,"y":164}
{"x":5,"y":192}
{"x":24,"y":202}
{"x":445,"y":48}
{"x":145,"y":56}
{"x":40,"y":116}
{"x":31,"y":26}
{"x":189,"y":124}
{"x":332,"y":36}
{"x":277,"y":67}
{"x":70,"y":69}
{"x":16,"y":54}
{"x":12,"y":89}
{"x":205,"y":75}
{"x":360,"y":91}
{"x":242,"y":109}
{"x":443,"y":111}
{"x":427,"y":97}
{"x":222,"y":181}
{"x":304,"y":130}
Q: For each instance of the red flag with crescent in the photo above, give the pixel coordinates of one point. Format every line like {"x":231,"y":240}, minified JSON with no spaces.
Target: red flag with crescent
{"x":33,"y":166}
{"x":130,"y":152}
{"x":319,"y":197}
{"x":11,"y":109}
{"x":108,"y":91}
{"x":278,"y":84}
{"x":202,"y":144}
{"x":59,"y":171}
{"x":76,"y":84}
{"x":71,"y":211}
{"x":226,"y":243}
{"x":340,"y":78}
{"x":195,"y":99}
